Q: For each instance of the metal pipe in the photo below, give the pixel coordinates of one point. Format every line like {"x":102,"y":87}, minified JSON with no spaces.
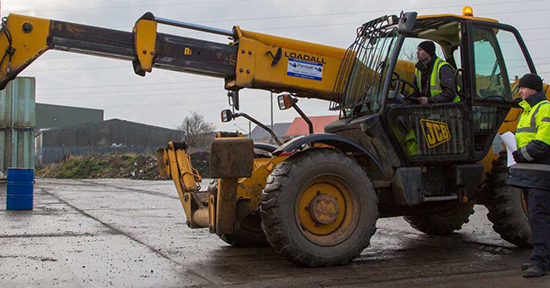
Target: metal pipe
{"x":14,"y":94}
{"x":261,"y":125}
{"x":194,"y":26}
{"x":304,"y":116}
{"x":440,"y":198}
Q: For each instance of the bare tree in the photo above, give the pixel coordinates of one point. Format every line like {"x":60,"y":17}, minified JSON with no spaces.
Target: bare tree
{"x":198,"y":132}
{"x":408,"y":53}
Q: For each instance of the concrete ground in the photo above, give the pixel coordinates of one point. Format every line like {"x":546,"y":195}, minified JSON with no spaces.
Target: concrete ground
{"x":127,"y":233}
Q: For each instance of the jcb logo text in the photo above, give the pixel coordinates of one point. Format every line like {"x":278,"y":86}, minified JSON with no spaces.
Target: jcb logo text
{"x":435,"y":132}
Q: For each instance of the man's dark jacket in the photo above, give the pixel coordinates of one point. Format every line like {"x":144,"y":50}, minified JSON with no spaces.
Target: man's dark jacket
{"x":447,"y":82}
{"x":535,"y":176}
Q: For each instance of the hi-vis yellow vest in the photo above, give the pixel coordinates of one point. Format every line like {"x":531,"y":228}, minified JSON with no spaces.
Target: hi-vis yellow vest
{"x":529,"y":125}
{"x":534,"y":124}
{"x":435,"y":81}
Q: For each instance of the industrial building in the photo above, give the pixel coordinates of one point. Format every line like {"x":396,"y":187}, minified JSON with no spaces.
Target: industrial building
{"x":113,"y":135}
{"x":258,"y":134}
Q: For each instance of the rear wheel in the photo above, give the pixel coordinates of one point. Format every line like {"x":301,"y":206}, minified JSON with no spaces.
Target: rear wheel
{"x":248,"y":232}
{"x":319,"y":208}
{"x":443,"y":223}
{"x":507,"y":206}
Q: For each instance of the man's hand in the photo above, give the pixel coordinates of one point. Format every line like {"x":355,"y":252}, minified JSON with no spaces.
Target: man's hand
{"x":423,"y":100}
{"x":518,"y":157}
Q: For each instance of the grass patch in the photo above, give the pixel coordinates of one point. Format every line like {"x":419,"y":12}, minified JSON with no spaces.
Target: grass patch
{"x":112,"y":165}
{"x":94,"y":166}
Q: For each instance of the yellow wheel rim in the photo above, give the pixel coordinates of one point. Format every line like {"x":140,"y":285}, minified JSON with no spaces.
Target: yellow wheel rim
{"x":327,"y":210}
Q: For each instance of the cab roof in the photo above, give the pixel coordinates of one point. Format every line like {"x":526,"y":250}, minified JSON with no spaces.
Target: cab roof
{"x":458,"y":17}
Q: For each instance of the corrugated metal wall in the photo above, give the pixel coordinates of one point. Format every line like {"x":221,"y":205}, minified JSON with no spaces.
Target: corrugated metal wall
{"x":17,"y":120}
{"x":17,"y":108}
{"x":17,"y":146}
{"x":108,"y":132}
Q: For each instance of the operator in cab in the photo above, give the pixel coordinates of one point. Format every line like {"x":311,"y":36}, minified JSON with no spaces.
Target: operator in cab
{"x":433,"y":76}
{"x":532,"y":171}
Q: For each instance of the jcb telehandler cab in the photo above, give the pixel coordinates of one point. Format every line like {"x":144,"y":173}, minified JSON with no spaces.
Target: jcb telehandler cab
{"x":429,"y":163}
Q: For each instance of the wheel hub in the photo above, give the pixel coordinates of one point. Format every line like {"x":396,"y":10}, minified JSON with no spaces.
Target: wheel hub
{"x":324,"y":209}
{"x":327,"y":212}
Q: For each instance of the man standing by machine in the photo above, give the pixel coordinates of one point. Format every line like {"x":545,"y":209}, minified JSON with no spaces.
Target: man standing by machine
{"x":532,"y":173}
{"x":433,"y":76}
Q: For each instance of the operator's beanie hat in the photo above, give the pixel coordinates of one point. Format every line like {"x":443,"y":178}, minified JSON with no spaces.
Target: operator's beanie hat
{"x":532,"y":81}
{"x":428,"y":46}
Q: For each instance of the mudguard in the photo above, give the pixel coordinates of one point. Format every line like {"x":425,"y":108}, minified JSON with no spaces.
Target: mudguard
{"x":265,"y":147}
{"x":339,"y":142}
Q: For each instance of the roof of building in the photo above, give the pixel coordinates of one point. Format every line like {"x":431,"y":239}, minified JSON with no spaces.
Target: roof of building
{"x":259,"y":133}
{"x":57,"y":116}
{"x":67,"y":107}
{"x":300,"y":127}
{"x":114,"y":121}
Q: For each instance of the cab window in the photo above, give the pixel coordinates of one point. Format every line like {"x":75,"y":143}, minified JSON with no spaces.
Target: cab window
{"x":499,"y":63}
{"x":446,"y":37}
{"x":407,"y":57}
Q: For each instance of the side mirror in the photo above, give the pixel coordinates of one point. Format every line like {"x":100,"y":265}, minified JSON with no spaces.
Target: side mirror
{"x":406,"y":22}
{"x":286,"y":101}
{"x":227,"y":115}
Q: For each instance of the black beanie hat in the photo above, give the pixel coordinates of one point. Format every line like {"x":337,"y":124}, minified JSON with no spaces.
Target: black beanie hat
{"x":428,"y":46}
{"x":532,"y":81}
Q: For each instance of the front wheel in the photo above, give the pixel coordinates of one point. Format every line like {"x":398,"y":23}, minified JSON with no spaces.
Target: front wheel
{"x":319,"y":208}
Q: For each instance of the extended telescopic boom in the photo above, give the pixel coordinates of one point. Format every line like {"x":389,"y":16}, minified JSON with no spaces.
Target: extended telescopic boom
{"x":250,"y":60}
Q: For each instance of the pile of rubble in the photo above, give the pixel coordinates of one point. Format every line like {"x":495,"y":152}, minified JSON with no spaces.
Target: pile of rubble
{"x":133,"y":166}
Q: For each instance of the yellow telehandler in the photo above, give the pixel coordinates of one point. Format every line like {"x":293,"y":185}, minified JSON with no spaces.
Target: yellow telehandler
{"x":316,"y":199}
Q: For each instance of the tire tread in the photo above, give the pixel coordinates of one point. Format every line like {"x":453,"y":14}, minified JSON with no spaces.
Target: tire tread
{"x":499,"y":202}
{"x":271,"y":212}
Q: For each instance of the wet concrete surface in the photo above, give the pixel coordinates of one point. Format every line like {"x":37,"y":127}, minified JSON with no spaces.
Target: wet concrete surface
{"x":128,"y":233}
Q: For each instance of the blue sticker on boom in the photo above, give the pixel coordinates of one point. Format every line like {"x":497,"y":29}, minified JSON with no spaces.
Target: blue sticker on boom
{"x":305,"y":69}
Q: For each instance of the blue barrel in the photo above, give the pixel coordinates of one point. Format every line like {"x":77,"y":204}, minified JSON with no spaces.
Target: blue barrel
{"x":20,"y":189}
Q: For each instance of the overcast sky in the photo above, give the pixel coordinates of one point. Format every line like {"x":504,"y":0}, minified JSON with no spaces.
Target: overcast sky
{"x":164,"y":98}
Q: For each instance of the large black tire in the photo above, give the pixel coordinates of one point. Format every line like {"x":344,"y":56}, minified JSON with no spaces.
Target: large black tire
{"x":443,"y":223}
{"x":507,"y":206}
{"x":297,"y":183}
{"x":248,"y":233}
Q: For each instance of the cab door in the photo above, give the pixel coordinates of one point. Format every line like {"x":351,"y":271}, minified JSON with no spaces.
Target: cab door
{"x":436,"y":132}
{"x":498,"y":59}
